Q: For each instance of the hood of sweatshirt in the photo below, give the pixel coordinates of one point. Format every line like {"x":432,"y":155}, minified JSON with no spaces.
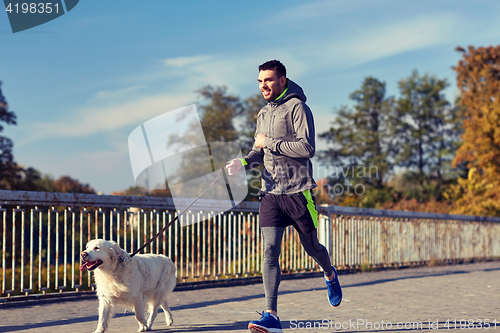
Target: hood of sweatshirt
{"x":292,"y":90}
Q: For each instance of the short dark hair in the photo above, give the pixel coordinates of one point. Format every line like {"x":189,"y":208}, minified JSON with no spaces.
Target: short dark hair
{"x":274,"y":65}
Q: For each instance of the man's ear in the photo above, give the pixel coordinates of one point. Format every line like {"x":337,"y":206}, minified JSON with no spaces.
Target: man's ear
{"x":282,"y":81}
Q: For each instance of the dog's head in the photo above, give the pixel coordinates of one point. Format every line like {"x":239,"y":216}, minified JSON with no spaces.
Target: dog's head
{"x":103,"y":254}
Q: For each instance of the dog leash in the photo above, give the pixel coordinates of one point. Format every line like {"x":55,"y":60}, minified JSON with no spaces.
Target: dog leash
{"x":177,"y":217}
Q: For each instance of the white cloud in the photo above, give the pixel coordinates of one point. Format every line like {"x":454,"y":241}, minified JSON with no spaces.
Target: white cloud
{"x":199,"y":70}
{"x":90,"y":120}
{"x":320,"y":9}
{"x":394,"y":38}
{"x":237,"y":71}
{"x":381,"y":41}
{"x":110,"y":110}
{"x":335,"y":35}
{"x":181,"y":62}
{"x":112,"y":96}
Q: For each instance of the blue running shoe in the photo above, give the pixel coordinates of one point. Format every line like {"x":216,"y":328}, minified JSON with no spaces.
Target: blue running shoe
{"x":267,"y":324}
{"x":334,"y":290}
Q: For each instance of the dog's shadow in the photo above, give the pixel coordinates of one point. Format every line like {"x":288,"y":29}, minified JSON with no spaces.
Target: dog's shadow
{"x":225,"y":327}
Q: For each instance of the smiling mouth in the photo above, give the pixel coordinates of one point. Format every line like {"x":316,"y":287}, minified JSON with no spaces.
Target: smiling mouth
{"x":90,"y":265}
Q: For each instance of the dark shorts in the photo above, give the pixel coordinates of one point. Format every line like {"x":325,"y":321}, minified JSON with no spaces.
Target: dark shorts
{"x":297,"y":209}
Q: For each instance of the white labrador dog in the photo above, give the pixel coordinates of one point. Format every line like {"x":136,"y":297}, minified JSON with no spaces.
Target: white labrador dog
{"x":133,"y":282}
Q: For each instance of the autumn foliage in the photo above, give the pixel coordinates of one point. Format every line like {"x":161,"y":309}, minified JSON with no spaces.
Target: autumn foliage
{"x":478,"y":78}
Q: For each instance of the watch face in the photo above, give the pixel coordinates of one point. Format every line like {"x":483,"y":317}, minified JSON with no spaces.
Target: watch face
{"x":26,"y":14}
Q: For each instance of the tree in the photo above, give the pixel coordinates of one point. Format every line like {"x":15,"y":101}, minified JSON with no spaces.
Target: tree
{"x":218,"y":114}
{"x":362,"y":138}
{"x":418,"y":132}
{"x":64,"y":184}
{"x":8,"y":168}
{"x":475,"y":195}
{"x":132,"y":190}
{"x":29,"y":179}
{"x":428,"y":127}
{"x":478,"y":79}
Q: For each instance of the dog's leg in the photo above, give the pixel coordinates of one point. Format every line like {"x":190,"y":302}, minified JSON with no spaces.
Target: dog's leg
{"x":168,"y":314}
{"x":104,"y":311}
{"x":139,"y":314}
{"x":153,"y":311}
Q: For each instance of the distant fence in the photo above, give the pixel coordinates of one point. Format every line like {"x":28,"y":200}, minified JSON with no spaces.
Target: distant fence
{"x":42,"y":235}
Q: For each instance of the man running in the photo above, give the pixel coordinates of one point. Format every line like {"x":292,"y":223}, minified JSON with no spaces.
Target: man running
{"x":285,"y":142}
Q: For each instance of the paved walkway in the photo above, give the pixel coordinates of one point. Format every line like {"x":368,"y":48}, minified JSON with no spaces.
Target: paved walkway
{"x":419,"y":298}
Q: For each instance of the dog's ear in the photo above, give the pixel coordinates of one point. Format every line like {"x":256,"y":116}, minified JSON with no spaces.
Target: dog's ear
{"x":118,"y":253}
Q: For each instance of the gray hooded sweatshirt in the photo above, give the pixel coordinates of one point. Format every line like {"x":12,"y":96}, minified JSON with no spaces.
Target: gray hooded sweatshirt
{"x":289,"y":126}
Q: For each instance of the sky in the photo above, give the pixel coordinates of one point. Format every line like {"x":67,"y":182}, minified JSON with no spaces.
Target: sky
{"x":80,"y":84}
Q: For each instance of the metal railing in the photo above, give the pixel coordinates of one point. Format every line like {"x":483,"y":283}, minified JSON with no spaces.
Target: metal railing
{"x":42,"y":235}
{"x":370,"y":238}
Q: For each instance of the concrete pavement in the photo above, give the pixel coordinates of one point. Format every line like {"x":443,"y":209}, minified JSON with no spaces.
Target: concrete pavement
{"x":415,"y":299}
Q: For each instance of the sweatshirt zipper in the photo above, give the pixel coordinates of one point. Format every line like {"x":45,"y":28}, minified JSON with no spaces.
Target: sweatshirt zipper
{"x":274,"y":162}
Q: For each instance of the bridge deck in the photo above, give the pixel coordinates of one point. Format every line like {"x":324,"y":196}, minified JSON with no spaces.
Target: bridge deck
{"x":406,"y":296}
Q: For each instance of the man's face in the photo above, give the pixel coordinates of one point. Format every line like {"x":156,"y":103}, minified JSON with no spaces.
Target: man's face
{"x":270,"y":85}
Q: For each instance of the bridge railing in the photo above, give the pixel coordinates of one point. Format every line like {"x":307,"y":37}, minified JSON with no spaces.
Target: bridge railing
{"x":42,"y":235}
{"x":369,"y":238}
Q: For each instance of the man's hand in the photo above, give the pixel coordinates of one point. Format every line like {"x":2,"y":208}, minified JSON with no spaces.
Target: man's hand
{"x":259,"y":140}
{"x":234,"y":166}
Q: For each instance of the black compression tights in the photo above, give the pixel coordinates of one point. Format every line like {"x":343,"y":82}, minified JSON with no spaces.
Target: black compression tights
{"x":271,"y":272}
